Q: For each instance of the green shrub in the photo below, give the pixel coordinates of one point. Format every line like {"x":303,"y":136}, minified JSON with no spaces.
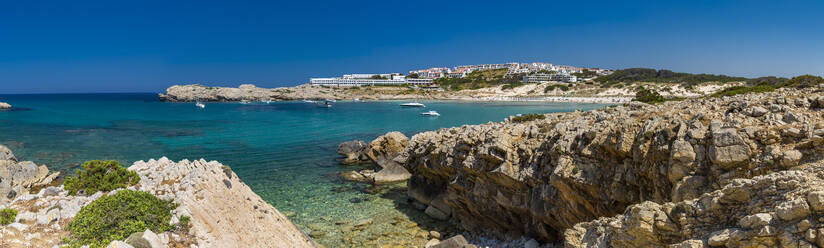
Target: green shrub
{"x":116,"y":216}
{"x":7,"y":216}
{"x":648,"y":96}
{"x":528,"y":117}
{"x":99,"y":175}
{"x":737,"y":90}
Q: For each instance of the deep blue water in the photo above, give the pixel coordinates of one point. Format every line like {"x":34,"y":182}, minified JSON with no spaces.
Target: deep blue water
{"x":284,"y":151}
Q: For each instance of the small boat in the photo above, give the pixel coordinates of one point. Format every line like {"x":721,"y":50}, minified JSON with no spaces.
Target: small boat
{"x":413,"y":104}
{"x":430,"y":113}
{"x":200,"y":105}
{"x":330,"y":100}
{"x":309,"y":101}
{"x":357,"y":99}
{"x":245,"y":102}
{"x":325,"y":104}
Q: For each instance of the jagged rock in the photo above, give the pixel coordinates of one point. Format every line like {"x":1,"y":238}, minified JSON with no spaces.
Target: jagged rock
{"x":790,"y":158}
{"x":354,"y":151}
{"x":794,"y":209}
{"x":757,"y":111}
{"x":544,"y":176}
{"x":816,"y":201}
{"x":16,"y":178}
{"x":755,"y":220}
{"x":728,"y":149}
{"x":386,"y":147}
{"x":6,"y":154}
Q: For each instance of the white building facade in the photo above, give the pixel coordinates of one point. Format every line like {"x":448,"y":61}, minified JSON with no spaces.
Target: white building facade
{"x":369,"y":79}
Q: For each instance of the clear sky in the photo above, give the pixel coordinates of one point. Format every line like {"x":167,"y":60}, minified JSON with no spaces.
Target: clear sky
{"x":146,"y":46}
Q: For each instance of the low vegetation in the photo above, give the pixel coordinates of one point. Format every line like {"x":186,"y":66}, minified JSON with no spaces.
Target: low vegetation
{"x":479,"y":79}
{"x":768,"y":84}
{"x":663,"y":76}
{"x":556,"y":86}
{"x":7,"y":216}
{"x":116,"y":216}
{"x":585,"y":74}
{"x":99,"y":175}
{"x":528,"y":117}
{"x":648,"y":96}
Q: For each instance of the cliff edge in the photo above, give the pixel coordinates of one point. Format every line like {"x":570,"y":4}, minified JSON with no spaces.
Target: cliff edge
{"x":542,"y":177}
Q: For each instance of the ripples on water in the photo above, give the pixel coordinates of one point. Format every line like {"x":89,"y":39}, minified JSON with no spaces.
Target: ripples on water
{"x":285,"y":151}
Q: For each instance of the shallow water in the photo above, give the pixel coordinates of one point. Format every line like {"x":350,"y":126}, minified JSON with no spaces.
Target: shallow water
{"x":285,"y":151}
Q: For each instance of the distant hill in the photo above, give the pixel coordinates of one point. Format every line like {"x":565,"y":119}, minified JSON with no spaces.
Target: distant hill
{"x":664,"y":76}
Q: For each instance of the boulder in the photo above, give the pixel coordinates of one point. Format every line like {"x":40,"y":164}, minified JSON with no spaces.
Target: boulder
{"x":458,"y":241}
{"x":145,"y":239}
{"x":16,"y":178}
{"x":4,"y":106}
{"x":435,"y":213}
{"x":792,"y":210}
{"x":729,"y":149}
{"x":119,"y":244}
{"x":353,"y":151}
{"x":790,"y":158}
{"x":386,"y":147}
{"x":6,"y":154}
{"x":391,"y":173}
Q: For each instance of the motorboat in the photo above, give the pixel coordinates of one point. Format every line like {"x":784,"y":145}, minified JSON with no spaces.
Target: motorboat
{"x":309,"y":101}
{"x":413,"y":104}
{"x":200,"y":105}
{"x":330,"y":100}
{"x":325,"y":104}
{"x":430,"y":113}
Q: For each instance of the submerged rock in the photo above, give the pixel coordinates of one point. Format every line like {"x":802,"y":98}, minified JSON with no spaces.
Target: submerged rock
{"x":353,"y":151}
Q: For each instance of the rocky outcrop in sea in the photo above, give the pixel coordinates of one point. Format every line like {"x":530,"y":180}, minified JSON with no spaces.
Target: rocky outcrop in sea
{"x":223,"y":211}
{"x":380,"y":152}
{"x":734,"y":171}
{"x":4,"y":106}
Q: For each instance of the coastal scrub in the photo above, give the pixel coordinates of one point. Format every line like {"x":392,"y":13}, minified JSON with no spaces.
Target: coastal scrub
{"x":99,"y":175}
{"x":7,"y":216}
{"x":115,"y":217}
{"x":528,"y":117}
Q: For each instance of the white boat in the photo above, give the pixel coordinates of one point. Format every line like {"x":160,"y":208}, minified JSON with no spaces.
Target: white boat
{"x":200,"y":105}
{"x":413,"y":104}
{"x":245,"y":102}
{"x":330,"y":100}
{"x":430,"y":113}
{"x":309,"y":101}
{"x":357,"y":99}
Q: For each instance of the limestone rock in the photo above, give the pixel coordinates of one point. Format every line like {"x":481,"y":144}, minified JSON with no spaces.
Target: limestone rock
{"x":728,"y":149}
{"x":392,"y":172}
{"x":353,"y":151}
{"x":458,"y":241}
{"x":385,"y":148}
{"x":436,"y":213}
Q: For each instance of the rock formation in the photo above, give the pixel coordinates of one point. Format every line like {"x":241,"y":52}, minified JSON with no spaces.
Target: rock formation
{"x":4,"y":106}
{"x":542,"y":177}
{"x":16,"y":178}
{"x":223,"y":211}
{"x":353,"y":151}
{"x":380,"y":152}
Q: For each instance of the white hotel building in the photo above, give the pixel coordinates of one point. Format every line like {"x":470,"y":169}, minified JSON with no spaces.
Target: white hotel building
{"x":367,"y":79}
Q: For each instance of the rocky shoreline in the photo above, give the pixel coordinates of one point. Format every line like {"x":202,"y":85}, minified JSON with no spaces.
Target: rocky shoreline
{"x":221,"y":210}
{"x":544,"y":92}
{"x":735,"y":171}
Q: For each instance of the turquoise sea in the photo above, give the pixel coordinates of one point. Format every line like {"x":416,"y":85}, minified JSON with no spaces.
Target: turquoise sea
{"x":285,"y":151}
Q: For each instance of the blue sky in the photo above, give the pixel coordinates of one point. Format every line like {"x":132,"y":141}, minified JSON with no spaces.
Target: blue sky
{"x":146,"y":46}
